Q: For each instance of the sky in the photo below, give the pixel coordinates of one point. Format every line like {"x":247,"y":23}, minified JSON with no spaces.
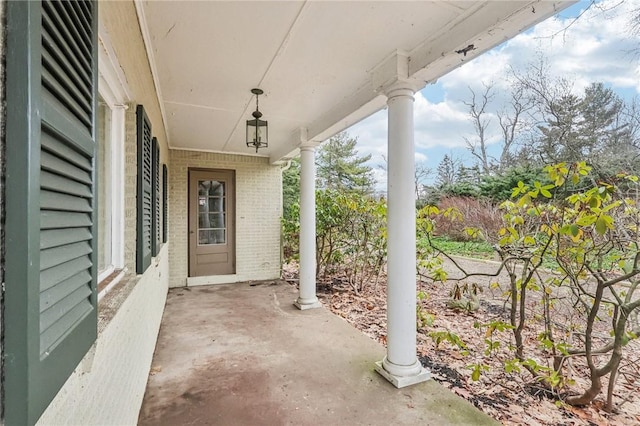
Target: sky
{"x":596,"y":47}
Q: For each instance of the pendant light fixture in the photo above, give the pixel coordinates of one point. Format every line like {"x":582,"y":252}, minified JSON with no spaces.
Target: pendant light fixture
{"x":257,"y":130}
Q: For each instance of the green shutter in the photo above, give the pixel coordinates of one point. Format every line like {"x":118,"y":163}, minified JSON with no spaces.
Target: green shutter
{"x":50,"y":298}
{"x":156,"y":239}
{"x":144,"y":189}
{"x":164,"y":202}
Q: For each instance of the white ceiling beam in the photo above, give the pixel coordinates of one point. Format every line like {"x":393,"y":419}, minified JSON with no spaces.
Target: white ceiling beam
{"x":429,"y":61}
{"x":366,"y":101}
{"x":350,"y":110}
{"x":290,"y":149}
{"x":435,"y":57}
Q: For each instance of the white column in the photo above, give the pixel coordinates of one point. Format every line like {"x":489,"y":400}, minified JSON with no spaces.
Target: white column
{"x":307,"y":292}
{"x":401,"y":366}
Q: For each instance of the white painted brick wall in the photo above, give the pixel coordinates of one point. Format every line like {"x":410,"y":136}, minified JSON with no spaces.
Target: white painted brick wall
{"x":258,"y":215}
{"x":108,"y":386}
{"x":2,"y":127}
{"x":130,"y":187}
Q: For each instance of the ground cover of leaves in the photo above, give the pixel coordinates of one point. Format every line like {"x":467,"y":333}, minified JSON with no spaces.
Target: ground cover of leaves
{"x":512,"y":399}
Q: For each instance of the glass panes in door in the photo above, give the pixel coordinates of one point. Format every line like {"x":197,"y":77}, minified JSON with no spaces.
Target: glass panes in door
{"x":212,"y":227}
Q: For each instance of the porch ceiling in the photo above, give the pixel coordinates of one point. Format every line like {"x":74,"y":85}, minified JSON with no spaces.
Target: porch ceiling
{"x":320,"y":63}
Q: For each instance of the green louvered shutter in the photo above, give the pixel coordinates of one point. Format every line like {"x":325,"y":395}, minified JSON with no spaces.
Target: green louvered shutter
{"x":165,"y":186}
{"x":50,"y":298}
{"x":145,"y":192}
{"x":156,"y":239}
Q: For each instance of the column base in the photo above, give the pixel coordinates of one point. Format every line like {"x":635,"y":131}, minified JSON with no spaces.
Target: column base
{"x":304,"y":304}
{"x":418,"y":374}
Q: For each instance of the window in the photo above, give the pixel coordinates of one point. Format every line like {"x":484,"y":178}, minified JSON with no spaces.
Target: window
{"x":110,"y":187}
{"x":211,"y":212}
{"x":50,"y":316}
{"x":105,"y":183}
{"x":110,"y":136}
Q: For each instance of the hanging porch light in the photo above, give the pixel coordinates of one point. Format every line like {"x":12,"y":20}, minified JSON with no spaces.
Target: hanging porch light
{"x":257,"y":130}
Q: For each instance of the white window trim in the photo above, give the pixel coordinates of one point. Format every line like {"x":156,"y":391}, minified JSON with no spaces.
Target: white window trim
{"x":115,"y":92}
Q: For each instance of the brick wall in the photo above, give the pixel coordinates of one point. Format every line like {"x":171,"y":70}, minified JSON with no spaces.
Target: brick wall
{"x":2,"y":127}
{"x":130,"y":194}
{"x":258,"y":213}
{"x":108,"y":385}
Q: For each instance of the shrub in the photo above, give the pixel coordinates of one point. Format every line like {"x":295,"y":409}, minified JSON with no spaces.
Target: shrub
{"x":477,"y":213}
{"x":498,"y":188}
{"x":351,"y":236}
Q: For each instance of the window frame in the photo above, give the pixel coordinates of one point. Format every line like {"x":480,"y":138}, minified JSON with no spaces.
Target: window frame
{"x":113,"y":89}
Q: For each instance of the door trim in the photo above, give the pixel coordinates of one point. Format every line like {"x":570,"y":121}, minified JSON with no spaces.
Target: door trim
{"x":232,"y":219}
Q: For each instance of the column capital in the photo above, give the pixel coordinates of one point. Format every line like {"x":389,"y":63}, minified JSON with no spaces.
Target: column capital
{"x":304,"y":144}
{"x":400,"y":89}
{"x":393,"y":74}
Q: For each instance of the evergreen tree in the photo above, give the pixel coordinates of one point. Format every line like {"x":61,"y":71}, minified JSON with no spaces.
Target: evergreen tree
{"x":584,"y":127}
{"x":339,"y":167}
{"x":446,"y":172}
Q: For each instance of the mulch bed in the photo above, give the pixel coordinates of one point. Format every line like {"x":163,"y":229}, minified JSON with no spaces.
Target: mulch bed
{"x":513,"y":399}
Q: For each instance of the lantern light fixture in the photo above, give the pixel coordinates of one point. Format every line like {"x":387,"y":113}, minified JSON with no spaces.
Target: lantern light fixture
{"x":257,"y":130}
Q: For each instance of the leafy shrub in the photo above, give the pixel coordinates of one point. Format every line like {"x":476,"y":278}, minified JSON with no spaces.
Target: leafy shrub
{"x":591,"y":229}
{"x":477,"y":213}
{"x":351,"y":236}
{"x":498,"y":188}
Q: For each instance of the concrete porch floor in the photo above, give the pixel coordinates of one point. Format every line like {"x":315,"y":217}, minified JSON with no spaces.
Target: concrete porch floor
{"x":242,"y":354}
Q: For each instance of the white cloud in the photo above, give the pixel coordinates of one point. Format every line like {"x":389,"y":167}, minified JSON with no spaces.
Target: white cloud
{"x":596,"y":47}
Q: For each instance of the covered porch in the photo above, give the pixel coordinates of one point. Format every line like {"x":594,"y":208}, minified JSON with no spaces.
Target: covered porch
{"x":316,"y":68}
{"x":143,"y":96}
{"x":242,"y":354}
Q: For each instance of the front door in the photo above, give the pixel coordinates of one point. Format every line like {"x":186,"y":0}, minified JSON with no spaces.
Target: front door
{"x":211,"y":222}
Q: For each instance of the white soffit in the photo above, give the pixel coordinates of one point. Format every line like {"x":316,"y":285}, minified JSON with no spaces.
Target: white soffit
{"x":318,"y":62}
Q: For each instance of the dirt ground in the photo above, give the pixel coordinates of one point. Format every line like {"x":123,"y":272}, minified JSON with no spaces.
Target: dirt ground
{"x":514,"y":398}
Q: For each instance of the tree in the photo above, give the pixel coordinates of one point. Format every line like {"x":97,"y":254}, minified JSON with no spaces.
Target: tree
{"x":421,"y":174}
{"x":339,"y":167}
{"x":290,"y":188}
{"x":513,"y":123}
{"x":511,"y":120}
{"x":447,"y":171}
{"x":634,"y":26}
{"x":478,"y":113}
{"x":595,"y":125}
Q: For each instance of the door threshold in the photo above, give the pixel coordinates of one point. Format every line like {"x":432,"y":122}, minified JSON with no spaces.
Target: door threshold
{"x":216,"y":279}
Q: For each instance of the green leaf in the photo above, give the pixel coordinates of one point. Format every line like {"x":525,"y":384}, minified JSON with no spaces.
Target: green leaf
{"x":586,"y":220}
{"x":601,"y":226}
{"x":574,"y":230}
{"x":475,"y":375}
